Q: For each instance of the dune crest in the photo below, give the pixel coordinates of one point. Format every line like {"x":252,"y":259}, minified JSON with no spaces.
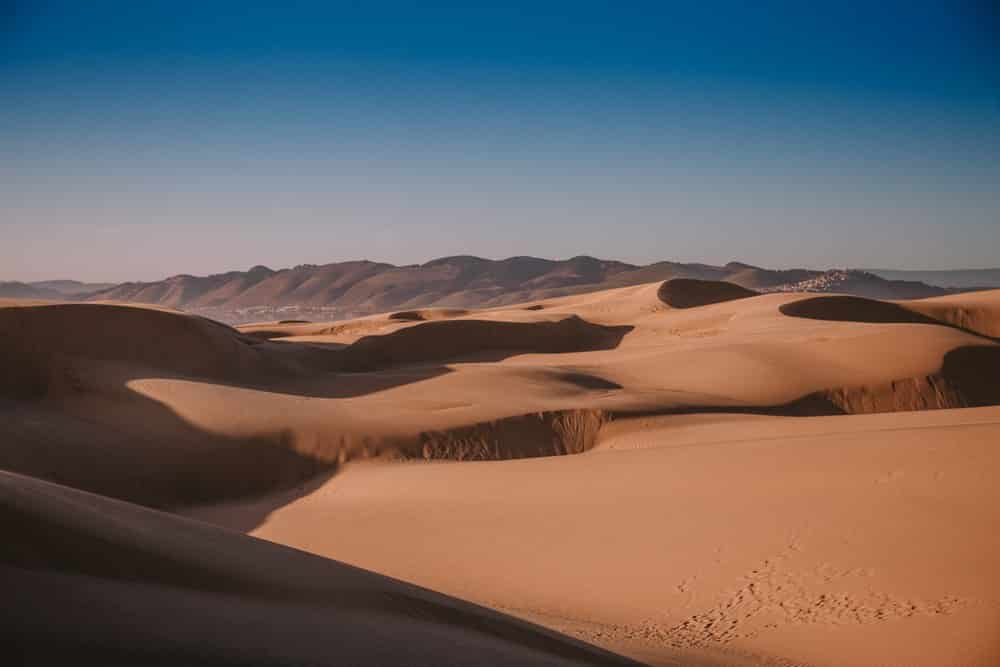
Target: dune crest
{"x":839,"y":308}
{"x":975,"y":311}
{"x":690,"y":293}
{"x":451,"y":339}
{"x":39,"y":342}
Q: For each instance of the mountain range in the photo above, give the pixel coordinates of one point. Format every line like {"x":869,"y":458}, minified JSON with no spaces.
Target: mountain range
{"x":356,"y":288}
{"x":960,"y":278}
{"x":50,"y":289}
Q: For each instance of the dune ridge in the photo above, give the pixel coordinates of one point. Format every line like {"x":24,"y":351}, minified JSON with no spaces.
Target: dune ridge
{"x":39,"y":342}
{"x":975,"y":311}
{"x":431,"y":341}
{"x":980,"y":319}
{"x":60,"y":355}
{"x":690,"y":293}
{"x":144,"y":449}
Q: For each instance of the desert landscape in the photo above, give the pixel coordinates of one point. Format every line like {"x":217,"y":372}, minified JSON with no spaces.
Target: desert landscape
{"x":499,"y":334}
{"x":677,"y":473}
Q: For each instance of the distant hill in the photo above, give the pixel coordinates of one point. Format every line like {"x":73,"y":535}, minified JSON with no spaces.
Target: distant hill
{"x":962,"y":278}
{"x":16,"y":290}
{"x":350,"y":289}
{"x":50,"y":289}
{"x":863,"y":283}
{"x":71,"y":287}
{"x":355,"y":288}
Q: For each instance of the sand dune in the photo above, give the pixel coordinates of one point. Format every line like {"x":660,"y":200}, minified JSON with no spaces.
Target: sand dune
{"x":805,"y":541}
{"x":94,"y":580}
{"x":167,"y":403}
{"x":86,"y":426}
{"x":975,"y":311}
{"x":687,"y":293}
{"x":453,"y":339}
{"x":840,"y":308}
{"x":967,"y":378}
{"x":676,"y":506}
{"x":37,"y":338}
{"x":75,"y":420}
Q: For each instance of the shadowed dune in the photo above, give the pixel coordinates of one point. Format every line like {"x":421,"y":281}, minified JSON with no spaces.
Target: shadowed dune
{"x":981,"y":319}
{"x":95,"y":580}
{"x":37,"y":344}
{"x":167,"y":463}
{"x":126,"y":445}
{"x":969,"y":377}
{"x":854,"y":309}
{"x":690,"y":293}
{"x":139,"y":449}
{"x":454,"y":339}
{"x":119,"y":442}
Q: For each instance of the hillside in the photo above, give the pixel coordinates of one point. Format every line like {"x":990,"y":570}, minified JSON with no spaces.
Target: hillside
{"x":50,"y":289}
{"x":358,"y":288}
{"x":18,"y":290}
{"x":961,"y":278}
{"x":862,"y":283}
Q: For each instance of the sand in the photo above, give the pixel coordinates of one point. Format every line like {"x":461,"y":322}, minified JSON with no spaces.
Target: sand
{"x":105,"y":582}
{"x":681,"y":473}
{"x":688,"y":293}
{"x":817,"y":541}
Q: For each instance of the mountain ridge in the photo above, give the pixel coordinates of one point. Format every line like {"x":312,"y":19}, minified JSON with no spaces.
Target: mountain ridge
{"x":360,"y":287}
{"x":958,"y":278}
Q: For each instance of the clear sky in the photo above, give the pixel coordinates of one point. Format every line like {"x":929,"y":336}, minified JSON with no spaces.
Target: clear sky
{"x":144,"y":139}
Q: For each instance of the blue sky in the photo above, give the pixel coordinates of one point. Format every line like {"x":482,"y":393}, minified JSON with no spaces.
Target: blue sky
{"x":146,"y":139}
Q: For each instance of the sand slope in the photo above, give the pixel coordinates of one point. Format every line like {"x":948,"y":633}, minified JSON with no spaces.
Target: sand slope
{"x":665,"y":500}
{"x":809,"y":541}
{"x":95,"y":580}
{"x":977,"y":311}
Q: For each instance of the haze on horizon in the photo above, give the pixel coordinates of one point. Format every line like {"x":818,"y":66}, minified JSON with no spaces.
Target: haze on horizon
{"x":146,"y":141}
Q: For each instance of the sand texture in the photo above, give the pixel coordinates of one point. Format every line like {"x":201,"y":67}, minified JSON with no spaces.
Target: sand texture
{"x":681,"y":473}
